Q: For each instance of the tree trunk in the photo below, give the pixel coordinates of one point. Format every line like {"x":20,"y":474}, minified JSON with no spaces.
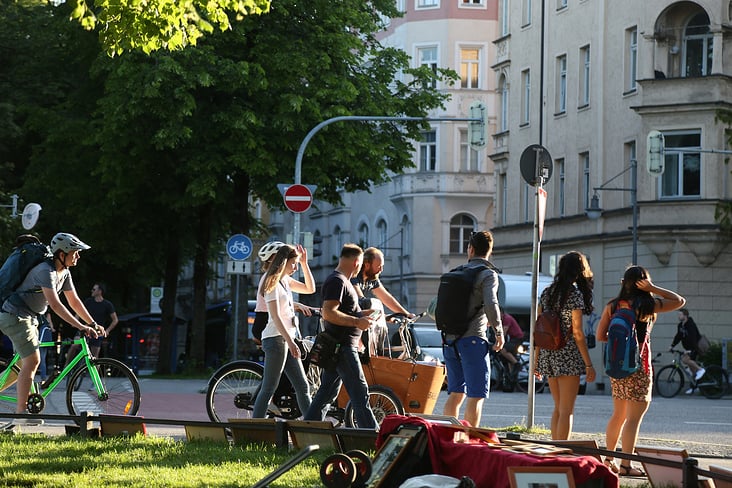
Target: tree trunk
{"x":200,"y":278}
{"x":168,"y":339}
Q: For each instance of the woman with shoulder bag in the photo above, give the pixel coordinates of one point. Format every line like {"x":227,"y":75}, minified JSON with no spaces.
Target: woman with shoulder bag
{"x":570,"y":295}
{"x":281,"y":352}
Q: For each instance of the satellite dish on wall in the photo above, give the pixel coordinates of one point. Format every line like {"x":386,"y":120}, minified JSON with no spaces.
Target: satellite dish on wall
{"x":30,"y":215}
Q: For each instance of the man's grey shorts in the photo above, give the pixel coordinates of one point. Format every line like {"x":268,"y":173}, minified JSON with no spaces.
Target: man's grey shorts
{"x":23,"y":332}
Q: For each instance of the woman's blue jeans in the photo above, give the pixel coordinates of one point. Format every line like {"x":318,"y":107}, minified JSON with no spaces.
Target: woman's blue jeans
{"x":277,"y":358}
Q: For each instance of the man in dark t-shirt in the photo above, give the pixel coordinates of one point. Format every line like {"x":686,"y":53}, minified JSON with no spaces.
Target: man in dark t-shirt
{"x":345,"y":320}
{"x":103,"y":313}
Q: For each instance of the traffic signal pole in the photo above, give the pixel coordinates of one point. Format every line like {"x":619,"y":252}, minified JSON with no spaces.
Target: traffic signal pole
{"x":476,"y":134}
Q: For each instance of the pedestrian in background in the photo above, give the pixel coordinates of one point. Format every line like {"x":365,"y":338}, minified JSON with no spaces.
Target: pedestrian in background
{"x":570,"y":295}
{"x":632,"y":394}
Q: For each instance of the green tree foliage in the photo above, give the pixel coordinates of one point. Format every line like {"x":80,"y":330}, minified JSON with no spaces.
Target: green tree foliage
{"x":155,"y":157}
{"x":128,"y":25}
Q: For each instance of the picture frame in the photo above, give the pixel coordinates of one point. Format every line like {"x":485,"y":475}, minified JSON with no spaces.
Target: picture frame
{"x":659,"y":475}
{"x":387,"y":457}
{"x":541,"y":477}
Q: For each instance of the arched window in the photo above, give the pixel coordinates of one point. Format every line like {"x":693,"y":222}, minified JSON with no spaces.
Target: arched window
{"x":363,"y":235}
{"x":461,"y":226}
{"x":503,"y":91}
{"x":337,"y":240}
{"x":382,"y":235}
{"x":698,"y":47}
{"x":406,"y":235}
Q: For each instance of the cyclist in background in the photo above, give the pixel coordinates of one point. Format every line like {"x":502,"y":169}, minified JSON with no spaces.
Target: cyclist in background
{"x":515,"y":337}
{"x":40,"y":290}
{"x":688,"y":334}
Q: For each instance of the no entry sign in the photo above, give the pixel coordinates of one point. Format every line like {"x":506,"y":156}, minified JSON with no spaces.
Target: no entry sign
{"x":298,"y":198}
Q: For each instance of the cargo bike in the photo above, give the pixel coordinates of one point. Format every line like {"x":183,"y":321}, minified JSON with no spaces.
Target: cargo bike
{"x":396,"y":385}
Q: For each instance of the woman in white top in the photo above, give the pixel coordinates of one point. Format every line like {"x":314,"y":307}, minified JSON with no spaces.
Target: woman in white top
{"x":278,"y":337}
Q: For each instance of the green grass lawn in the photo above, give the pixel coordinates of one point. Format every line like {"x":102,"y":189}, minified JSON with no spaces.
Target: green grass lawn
{"x":37,"y":460}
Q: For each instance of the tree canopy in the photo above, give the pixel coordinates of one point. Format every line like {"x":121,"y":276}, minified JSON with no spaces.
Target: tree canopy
{"x":155,"y":158}
{"x":151,"y":25}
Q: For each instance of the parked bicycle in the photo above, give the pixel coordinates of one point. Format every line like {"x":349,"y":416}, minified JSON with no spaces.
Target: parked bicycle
{"x":670,"y":379}
{"x":98,"y":385}
{"x":508,"y":379}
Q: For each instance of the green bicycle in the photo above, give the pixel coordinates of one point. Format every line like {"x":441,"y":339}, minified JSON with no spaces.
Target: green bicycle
{"x":97,"y":385}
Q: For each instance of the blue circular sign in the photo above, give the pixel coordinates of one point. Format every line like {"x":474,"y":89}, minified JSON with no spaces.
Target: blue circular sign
{"x":239,"y":247}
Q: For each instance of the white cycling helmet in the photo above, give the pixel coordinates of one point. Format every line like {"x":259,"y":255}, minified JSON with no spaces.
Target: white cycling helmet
{"x":267,"y":251}
{"x":67,"y":243}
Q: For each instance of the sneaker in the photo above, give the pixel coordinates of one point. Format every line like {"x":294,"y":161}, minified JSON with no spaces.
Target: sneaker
{"x":700,"y":373}
{"x":689,"y":391}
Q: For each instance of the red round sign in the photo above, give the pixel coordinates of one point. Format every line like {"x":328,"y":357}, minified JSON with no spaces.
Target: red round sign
{"x":298,"y":198}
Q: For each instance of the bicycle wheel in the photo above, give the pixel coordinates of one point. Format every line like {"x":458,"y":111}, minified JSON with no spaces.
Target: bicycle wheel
{"x":522,"y":380}
{"x":8,"y":405}
{"x":669,"y":381}
{"x":121,"y":394}
{"x":232,"y":389}
{"x":383,"y":402}
{"x":714,"y":383}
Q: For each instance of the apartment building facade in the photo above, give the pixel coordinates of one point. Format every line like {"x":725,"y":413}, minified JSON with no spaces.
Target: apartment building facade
{"x":589,"y":80}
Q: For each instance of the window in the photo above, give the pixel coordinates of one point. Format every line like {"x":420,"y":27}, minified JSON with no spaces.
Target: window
{"x":503,"y":94}
{"x":561,"y":101}
{"x":503,"y":188}
{"x":561,"y":4}
{"x":682,"y":174}
{"x":381,"y":234}
{"x":363,"y":235}
{"x":561,"y":181}
{"x":528,"y":192}
{"x":586,"y":183}
{"x":504,"y":17}
{"x":317,"y":245}
{"x":428,"y":4}
{"x":631,"y":62}
{"x":584,"y":76}
{"x":468,"y":156}
{"x":460,"y":228}
{"x":471,"y":3}
{"x":406,"y":236}
{"x":337,"y":241}
{"x":427,"y":56}
{"x":428,"y":151}
{"x":469,"y":67}
{"x":401,"y":5}
{"x":525,"y":96}
{"x":526,"y":14}
{"x":698,"y":47}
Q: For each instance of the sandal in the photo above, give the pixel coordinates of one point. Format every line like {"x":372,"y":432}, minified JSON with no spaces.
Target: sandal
{"x":630,"y":471}
{"x":610,"y":463}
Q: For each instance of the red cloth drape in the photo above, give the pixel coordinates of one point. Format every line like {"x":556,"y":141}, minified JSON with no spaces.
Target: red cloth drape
{"x":486,"y":466}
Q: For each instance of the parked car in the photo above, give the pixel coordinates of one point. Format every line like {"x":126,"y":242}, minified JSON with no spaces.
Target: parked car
{"x":429,"y":341}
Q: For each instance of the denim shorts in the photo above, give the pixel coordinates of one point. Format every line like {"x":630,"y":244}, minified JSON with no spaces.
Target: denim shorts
{"x":468,"y":367}
{"x":23,"y":333}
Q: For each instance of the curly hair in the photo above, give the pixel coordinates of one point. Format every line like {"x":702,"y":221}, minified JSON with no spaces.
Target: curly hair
{"x":573,"y":269}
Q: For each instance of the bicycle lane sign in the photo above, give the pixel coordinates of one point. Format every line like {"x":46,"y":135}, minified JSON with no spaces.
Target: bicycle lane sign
{"x":239,"y":247}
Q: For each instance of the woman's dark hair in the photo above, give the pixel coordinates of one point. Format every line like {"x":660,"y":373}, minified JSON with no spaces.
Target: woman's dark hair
{"x":644,"y":302}
{"x":573,"y":268}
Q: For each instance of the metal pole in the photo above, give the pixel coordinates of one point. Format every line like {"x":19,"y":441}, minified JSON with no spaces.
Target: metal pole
{"x":365,"y":118}
{"x":534,"y":291}
{"x":236,"y":318}
{"x":634,"y":203}
{"x":402,"y":290}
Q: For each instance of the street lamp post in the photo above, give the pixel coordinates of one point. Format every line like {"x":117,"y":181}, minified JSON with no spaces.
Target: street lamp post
{"x":594,"y":211}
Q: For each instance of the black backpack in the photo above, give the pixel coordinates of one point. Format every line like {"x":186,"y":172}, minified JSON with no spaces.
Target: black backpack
{"x":452,"y":312}
{"x":23,"y":258}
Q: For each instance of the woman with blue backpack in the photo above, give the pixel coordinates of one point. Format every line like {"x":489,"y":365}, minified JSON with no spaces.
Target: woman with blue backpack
{"x":638,"y":304}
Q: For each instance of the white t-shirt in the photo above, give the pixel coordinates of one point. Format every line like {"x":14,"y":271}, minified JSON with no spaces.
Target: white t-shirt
{"x":283,"y":296}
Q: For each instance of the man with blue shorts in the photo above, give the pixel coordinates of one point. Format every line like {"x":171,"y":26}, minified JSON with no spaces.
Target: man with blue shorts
{"x":466,"y":357}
